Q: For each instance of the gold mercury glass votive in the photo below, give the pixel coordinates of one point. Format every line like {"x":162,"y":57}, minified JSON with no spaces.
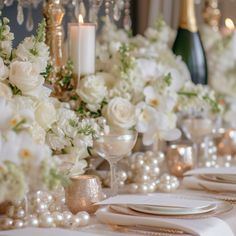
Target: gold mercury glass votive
{"x":180,"y":158}
{"x":82,"y":192}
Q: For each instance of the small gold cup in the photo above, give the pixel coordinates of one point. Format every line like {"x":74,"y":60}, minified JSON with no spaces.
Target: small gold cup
{"x":82,"y":192}
{"x":180,"y":158}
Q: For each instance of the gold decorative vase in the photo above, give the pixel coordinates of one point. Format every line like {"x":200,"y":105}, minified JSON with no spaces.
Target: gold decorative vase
{"x":82,"y":193}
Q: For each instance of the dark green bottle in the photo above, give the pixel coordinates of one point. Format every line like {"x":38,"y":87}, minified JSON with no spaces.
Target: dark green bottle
{"x":188,"y":43}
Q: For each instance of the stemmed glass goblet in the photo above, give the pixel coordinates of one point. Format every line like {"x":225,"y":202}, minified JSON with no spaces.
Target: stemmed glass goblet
{"x":197,"y":128}
{"x":113,"y":146}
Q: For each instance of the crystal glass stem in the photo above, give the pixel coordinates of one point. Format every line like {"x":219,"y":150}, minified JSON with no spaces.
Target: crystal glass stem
{"x":114,"y":185}
{"x":197,"y":147}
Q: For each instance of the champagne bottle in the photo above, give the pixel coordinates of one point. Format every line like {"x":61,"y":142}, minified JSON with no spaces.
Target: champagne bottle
{"x":188,"y":43}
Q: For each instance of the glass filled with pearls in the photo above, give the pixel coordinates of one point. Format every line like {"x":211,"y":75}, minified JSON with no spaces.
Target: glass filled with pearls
{"x":113,"y":146}
{"x":197,"y":128}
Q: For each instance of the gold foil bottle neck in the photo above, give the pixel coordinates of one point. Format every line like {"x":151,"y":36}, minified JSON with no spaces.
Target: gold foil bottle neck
{"x":188,"y":17}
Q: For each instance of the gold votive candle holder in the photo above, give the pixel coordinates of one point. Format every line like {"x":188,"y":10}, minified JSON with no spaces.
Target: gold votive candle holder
{"x":180,"y":158}
{"x":82,"y":192}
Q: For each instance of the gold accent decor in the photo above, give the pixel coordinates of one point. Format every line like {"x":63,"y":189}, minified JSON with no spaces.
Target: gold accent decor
{"x":82,"y":193}
{"x":187,"y":17}
{"x":53,"y":12}
{"x":212,"y":14}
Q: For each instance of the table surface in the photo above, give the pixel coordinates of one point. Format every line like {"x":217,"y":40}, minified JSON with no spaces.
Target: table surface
{"x":95,"y":228}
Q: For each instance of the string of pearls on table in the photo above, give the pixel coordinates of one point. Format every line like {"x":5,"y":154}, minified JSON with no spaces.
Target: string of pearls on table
{"x":42,"y":209}
{"x":144,"y":175}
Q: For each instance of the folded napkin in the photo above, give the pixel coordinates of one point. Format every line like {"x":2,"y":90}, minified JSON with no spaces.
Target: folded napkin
{"x":208,"y":226}
{"x":192,"y":180}
{"x":156,"y":199}
{"x":202,"y":227}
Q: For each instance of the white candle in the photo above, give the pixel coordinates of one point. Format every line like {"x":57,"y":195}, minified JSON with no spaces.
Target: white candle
{"x":87,"y":35}
{"x":73,"y":33}
{"x":82,"y":47}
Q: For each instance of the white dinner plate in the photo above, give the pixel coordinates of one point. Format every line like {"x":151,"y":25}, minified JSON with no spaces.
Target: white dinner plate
{"x":161,"y":210}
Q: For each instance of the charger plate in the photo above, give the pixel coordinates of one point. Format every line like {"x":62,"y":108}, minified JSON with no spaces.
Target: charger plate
{"x":221,"y":208}
{"x":161,"y":210}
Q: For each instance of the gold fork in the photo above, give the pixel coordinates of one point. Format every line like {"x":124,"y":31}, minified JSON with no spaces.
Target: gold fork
{"x":150,"y":231}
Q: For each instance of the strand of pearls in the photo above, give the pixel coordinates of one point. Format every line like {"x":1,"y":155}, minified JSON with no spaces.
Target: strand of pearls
{"x":44,"y":210}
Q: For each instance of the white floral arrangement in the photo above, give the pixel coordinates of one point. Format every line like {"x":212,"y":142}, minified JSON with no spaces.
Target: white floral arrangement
{"x":222,"y":69}
{"x":38,"y":134}
{"x":139,"y":83}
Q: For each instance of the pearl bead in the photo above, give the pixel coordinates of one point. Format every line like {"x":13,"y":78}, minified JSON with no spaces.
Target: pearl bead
{"x":33,"y":221}
{"x":41,"y":207}
{"x":122,"y":176}
{"x":67,"y":215}
{"x":140,"y":163}
{"x":20,"y":213}
{"x":18,"y":224}
{"x":48,"y":198}
{"x":152,"y":188}
{"x":154,"y":162}
{"x":11,"y":211}
{"x":133,"y":188}
{"x":146,"y":168}
{"x":6,"y":223}
{"x":76,"y":221}
{"x":57,"y":217}
{"x":142,"y":178}
{"x":46,"y":220}
{"x":84,"y":217}
{"x":143,"y":188}
{"x":165,"y":177}
{"x":154,"y":172}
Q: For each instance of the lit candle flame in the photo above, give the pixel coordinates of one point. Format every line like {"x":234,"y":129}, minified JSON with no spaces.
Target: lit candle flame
{"x":229,"y":24}
{"x":81,"y":20}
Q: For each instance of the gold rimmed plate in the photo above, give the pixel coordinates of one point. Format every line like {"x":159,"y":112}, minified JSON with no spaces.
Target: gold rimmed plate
{"x":165,"y":210}
{"x":221,"y":208}
{"x":228,"y":179}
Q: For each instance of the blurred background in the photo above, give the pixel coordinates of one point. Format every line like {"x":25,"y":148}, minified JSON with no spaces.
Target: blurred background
{"x":143,"y":14}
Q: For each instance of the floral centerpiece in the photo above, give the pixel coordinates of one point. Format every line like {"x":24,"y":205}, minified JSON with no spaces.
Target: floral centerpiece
{"x":37,"y":132}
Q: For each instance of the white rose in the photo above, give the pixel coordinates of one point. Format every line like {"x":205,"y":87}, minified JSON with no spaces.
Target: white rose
{"x":5,"y":91}
{"x":3,"y":70}
{"x":45,"y":114}
{"x":120,"y":113}
{"x":26,"y":77}
{"x":92,"y":91}
{"x":39,"y":58}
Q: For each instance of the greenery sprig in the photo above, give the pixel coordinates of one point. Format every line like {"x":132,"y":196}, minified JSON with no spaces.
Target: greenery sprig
{"x":126,"y":59}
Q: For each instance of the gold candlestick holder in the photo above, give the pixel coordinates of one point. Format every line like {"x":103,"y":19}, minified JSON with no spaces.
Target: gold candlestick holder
{"x":53,"y":12}
{"x":212,"y":14}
